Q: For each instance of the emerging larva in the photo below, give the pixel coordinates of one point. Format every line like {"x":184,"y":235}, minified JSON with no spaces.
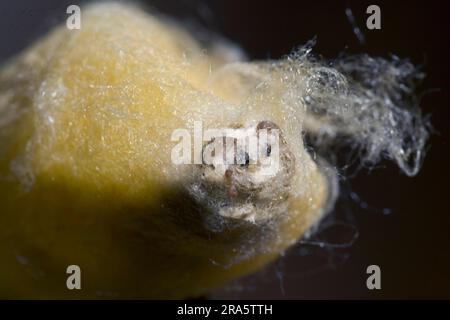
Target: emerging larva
{"x":86,"y":118}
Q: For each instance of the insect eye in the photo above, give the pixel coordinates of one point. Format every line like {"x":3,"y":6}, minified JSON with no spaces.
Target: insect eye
{"x":208,"y":154}
{"x":247,"y":160}
{"x":268,"y":150}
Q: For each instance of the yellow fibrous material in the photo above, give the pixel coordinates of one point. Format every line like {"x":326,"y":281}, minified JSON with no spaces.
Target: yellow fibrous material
{"x":86,"y":118}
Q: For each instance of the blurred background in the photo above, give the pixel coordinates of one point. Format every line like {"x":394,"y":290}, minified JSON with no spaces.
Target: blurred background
{"x":383,"y":217}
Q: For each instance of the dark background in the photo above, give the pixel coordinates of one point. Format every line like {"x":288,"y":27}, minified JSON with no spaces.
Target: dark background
{"x":402,"y":223}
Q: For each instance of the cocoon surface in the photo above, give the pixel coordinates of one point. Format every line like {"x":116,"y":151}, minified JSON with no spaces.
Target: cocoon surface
{"x":86,"y":118}
{"x":87,"y":175}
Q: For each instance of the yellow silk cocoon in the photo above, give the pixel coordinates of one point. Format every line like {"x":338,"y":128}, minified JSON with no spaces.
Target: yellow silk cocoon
{"x":86,"y":178}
